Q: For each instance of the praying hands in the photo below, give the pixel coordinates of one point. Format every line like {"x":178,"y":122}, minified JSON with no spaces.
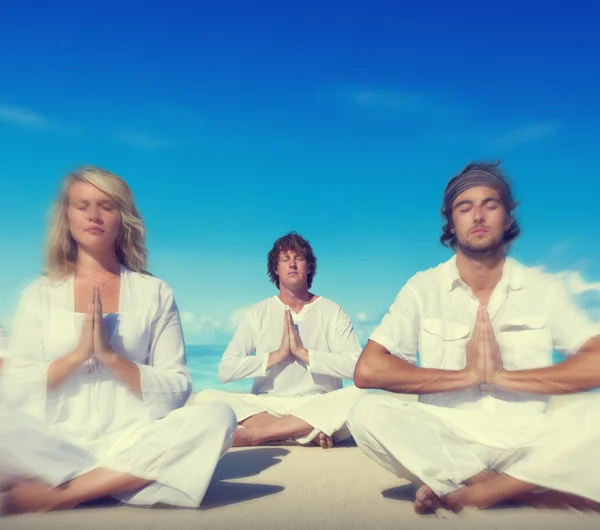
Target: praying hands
{"x":483,"y":355}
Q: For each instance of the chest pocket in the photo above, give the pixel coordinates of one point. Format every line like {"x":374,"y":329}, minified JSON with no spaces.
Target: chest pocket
{"x":442,"y":344}
{"x":526,"y":343}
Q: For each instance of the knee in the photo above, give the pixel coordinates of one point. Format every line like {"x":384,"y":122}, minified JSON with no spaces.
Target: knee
{"x":364,"y":415}
{"x":206,"y":396}
{"x":216,"y":415}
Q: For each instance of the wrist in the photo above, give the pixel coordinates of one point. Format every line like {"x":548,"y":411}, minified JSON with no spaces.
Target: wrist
{"x":473,"y":376}
{"x":108,"y":358}
{"x":499,"y":376}
{"x":76,"y":358}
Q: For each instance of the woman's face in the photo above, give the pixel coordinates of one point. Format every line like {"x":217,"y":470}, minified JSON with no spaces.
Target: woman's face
{"x":94,"y":218}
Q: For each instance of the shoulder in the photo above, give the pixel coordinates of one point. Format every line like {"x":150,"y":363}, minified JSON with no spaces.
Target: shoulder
{"x":537,"y":279}
{"x":40,"y":287}
{"x":328,"y":306}
{"x":150,"y":288}
{"x":432,"y":278}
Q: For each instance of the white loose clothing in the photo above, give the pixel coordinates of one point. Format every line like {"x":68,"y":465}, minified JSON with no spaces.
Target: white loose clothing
{"x":311,"y":391}
{"x":449,"y":437}
{"x":149,"y":437}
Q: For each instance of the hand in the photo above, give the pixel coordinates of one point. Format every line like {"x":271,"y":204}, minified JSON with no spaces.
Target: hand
{"x":296,"y":347}
{"x":475,"y":350}
{"x":284,"y":348}
{"x":85,"y":348}
{"x":493,"y":355}
{"x":102,"y":349}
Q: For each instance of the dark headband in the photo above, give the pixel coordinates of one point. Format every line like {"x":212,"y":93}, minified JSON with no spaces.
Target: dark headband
{"x":472,"y":179}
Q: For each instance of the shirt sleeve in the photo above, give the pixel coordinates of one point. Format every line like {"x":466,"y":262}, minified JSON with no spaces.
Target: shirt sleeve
{"x":571,"y":327}
{"x":398,"y":331}
{"x":165,"y":380}
{"x":345,"y":350}
{"x":238,"y":361}
{"x":25,"y":377}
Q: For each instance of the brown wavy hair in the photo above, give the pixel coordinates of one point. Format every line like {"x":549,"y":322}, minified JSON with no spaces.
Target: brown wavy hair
{"x":448,"y":239}
{"x":292,"y":241}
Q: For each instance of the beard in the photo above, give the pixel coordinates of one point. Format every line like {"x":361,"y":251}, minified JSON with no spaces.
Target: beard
{"x":480,"y":247}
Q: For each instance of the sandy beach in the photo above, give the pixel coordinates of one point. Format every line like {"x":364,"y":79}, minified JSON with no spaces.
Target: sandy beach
{"x":287,"y":486}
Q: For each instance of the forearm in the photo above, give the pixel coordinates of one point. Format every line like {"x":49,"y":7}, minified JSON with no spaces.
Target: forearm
{"x":61,"y":369}
{"x":377,"y":368}
{"x":578,"y":373}
{"x":125,"y":371}
{"x":340,"y":365}
{"x":237,"y":368}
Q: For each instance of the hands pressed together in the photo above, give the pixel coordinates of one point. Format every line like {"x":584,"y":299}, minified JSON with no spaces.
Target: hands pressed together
{"x":291,"y":343}
{"x":93,"y":342}
{"x":484,"y":359}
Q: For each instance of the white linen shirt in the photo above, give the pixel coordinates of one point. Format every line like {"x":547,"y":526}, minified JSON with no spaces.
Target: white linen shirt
{"x":326,"y":332}
{"x":531,"y":313}
{"x":93,"y":407}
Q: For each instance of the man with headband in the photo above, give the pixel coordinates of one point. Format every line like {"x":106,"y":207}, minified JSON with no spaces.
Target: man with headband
{"x":483,"y":328}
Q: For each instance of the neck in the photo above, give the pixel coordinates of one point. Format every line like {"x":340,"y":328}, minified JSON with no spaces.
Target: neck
{"x":96,"y":263}
{"x":480,"y":272}
{"x":294,"y":297}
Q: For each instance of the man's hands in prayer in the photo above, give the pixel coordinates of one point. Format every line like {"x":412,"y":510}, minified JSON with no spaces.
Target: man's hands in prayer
{"x":296,"y":347}
{"x":483,"y":355}
{"x":283,"y":352}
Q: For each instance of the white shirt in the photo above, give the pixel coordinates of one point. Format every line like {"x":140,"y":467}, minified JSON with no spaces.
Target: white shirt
{"x":92,"y":406}
{"x":326,"y":332}
{"x":531,"y":312}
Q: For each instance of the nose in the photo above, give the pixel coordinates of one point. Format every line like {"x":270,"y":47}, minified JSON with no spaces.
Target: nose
{"x":478,"y":211}
{"x":95,"y":215}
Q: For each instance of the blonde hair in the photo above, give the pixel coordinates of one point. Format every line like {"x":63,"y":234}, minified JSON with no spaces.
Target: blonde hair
{"x":61,"y":248}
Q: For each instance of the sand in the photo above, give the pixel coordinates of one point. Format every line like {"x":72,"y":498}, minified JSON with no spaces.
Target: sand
{"x":292,"y":487}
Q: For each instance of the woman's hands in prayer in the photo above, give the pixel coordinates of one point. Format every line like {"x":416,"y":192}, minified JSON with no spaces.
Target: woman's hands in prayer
{"x":93,"y":341}
{"x":102,"y":349}
{"x":85,"y":348}
{"x":483,"y":355}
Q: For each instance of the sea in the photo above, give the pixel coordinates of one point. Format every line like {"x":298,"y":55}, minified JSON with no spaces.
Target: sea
{"x":203,"y":362}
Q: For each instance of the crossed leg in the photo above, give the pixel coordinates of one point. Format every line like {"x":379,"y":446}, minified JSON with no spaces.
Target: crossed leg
{"x":34,"y":496}
{"x":264,"y":427}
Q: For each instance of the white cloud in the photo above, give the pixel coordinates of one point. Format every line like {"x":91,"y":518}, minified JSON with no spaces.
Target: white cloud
{"x":531,"y":132}
{"x":235,"y":319}
{"x":198,"y":324}
{"x":143,"y":141}
{"x":577,"y":284}
{"x":361,"y":317}
{"x":399,"y":103}
{"x":29,"y":119}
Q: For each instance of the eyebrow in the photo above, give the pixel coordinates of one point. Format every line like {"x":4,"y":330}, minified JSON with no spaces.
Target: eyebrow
{"x":103,"y":201}
{"x":470,"y":203}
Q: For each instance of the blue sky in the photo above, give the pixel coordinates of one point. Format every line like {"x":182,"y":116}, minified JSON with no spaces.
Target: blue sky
{"x":235,"y":123}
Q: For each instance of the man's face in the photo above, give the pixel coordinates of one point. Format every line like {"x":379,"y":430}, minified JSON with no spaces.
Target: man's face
{"x":479,"y":220}
{"x":291,"y":269}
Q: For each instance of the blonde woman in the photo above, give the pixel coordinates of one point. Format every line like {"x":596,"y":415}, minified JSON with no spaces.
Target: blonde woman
{"x":98,"y":355}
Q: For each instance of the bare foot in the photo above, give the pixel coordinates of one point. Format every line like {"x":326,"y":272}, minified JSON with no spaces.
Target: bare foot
{"x":426,"y":501}
{"x":476,"y":495}
{"x":323,"y":441}
{"x":557,"y":500}
{"x":27,"y":496}
{"x":246,"y":436}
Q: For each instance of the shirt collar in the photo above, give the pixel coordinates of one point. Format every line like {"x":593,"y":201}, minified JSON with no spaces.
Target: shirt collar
{"x":512,"y":274}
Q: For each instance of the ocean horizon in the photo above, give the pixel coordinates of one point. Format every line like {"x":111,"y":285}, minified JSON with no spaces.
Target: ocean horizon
{"x":203,"y":363}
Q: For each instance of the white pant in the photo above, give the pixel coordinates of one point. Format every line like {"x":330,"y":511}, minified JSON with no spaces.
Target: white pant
{"x":178,"y":453}
{"x":443,"y":447}
{"x":326,"y":413}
